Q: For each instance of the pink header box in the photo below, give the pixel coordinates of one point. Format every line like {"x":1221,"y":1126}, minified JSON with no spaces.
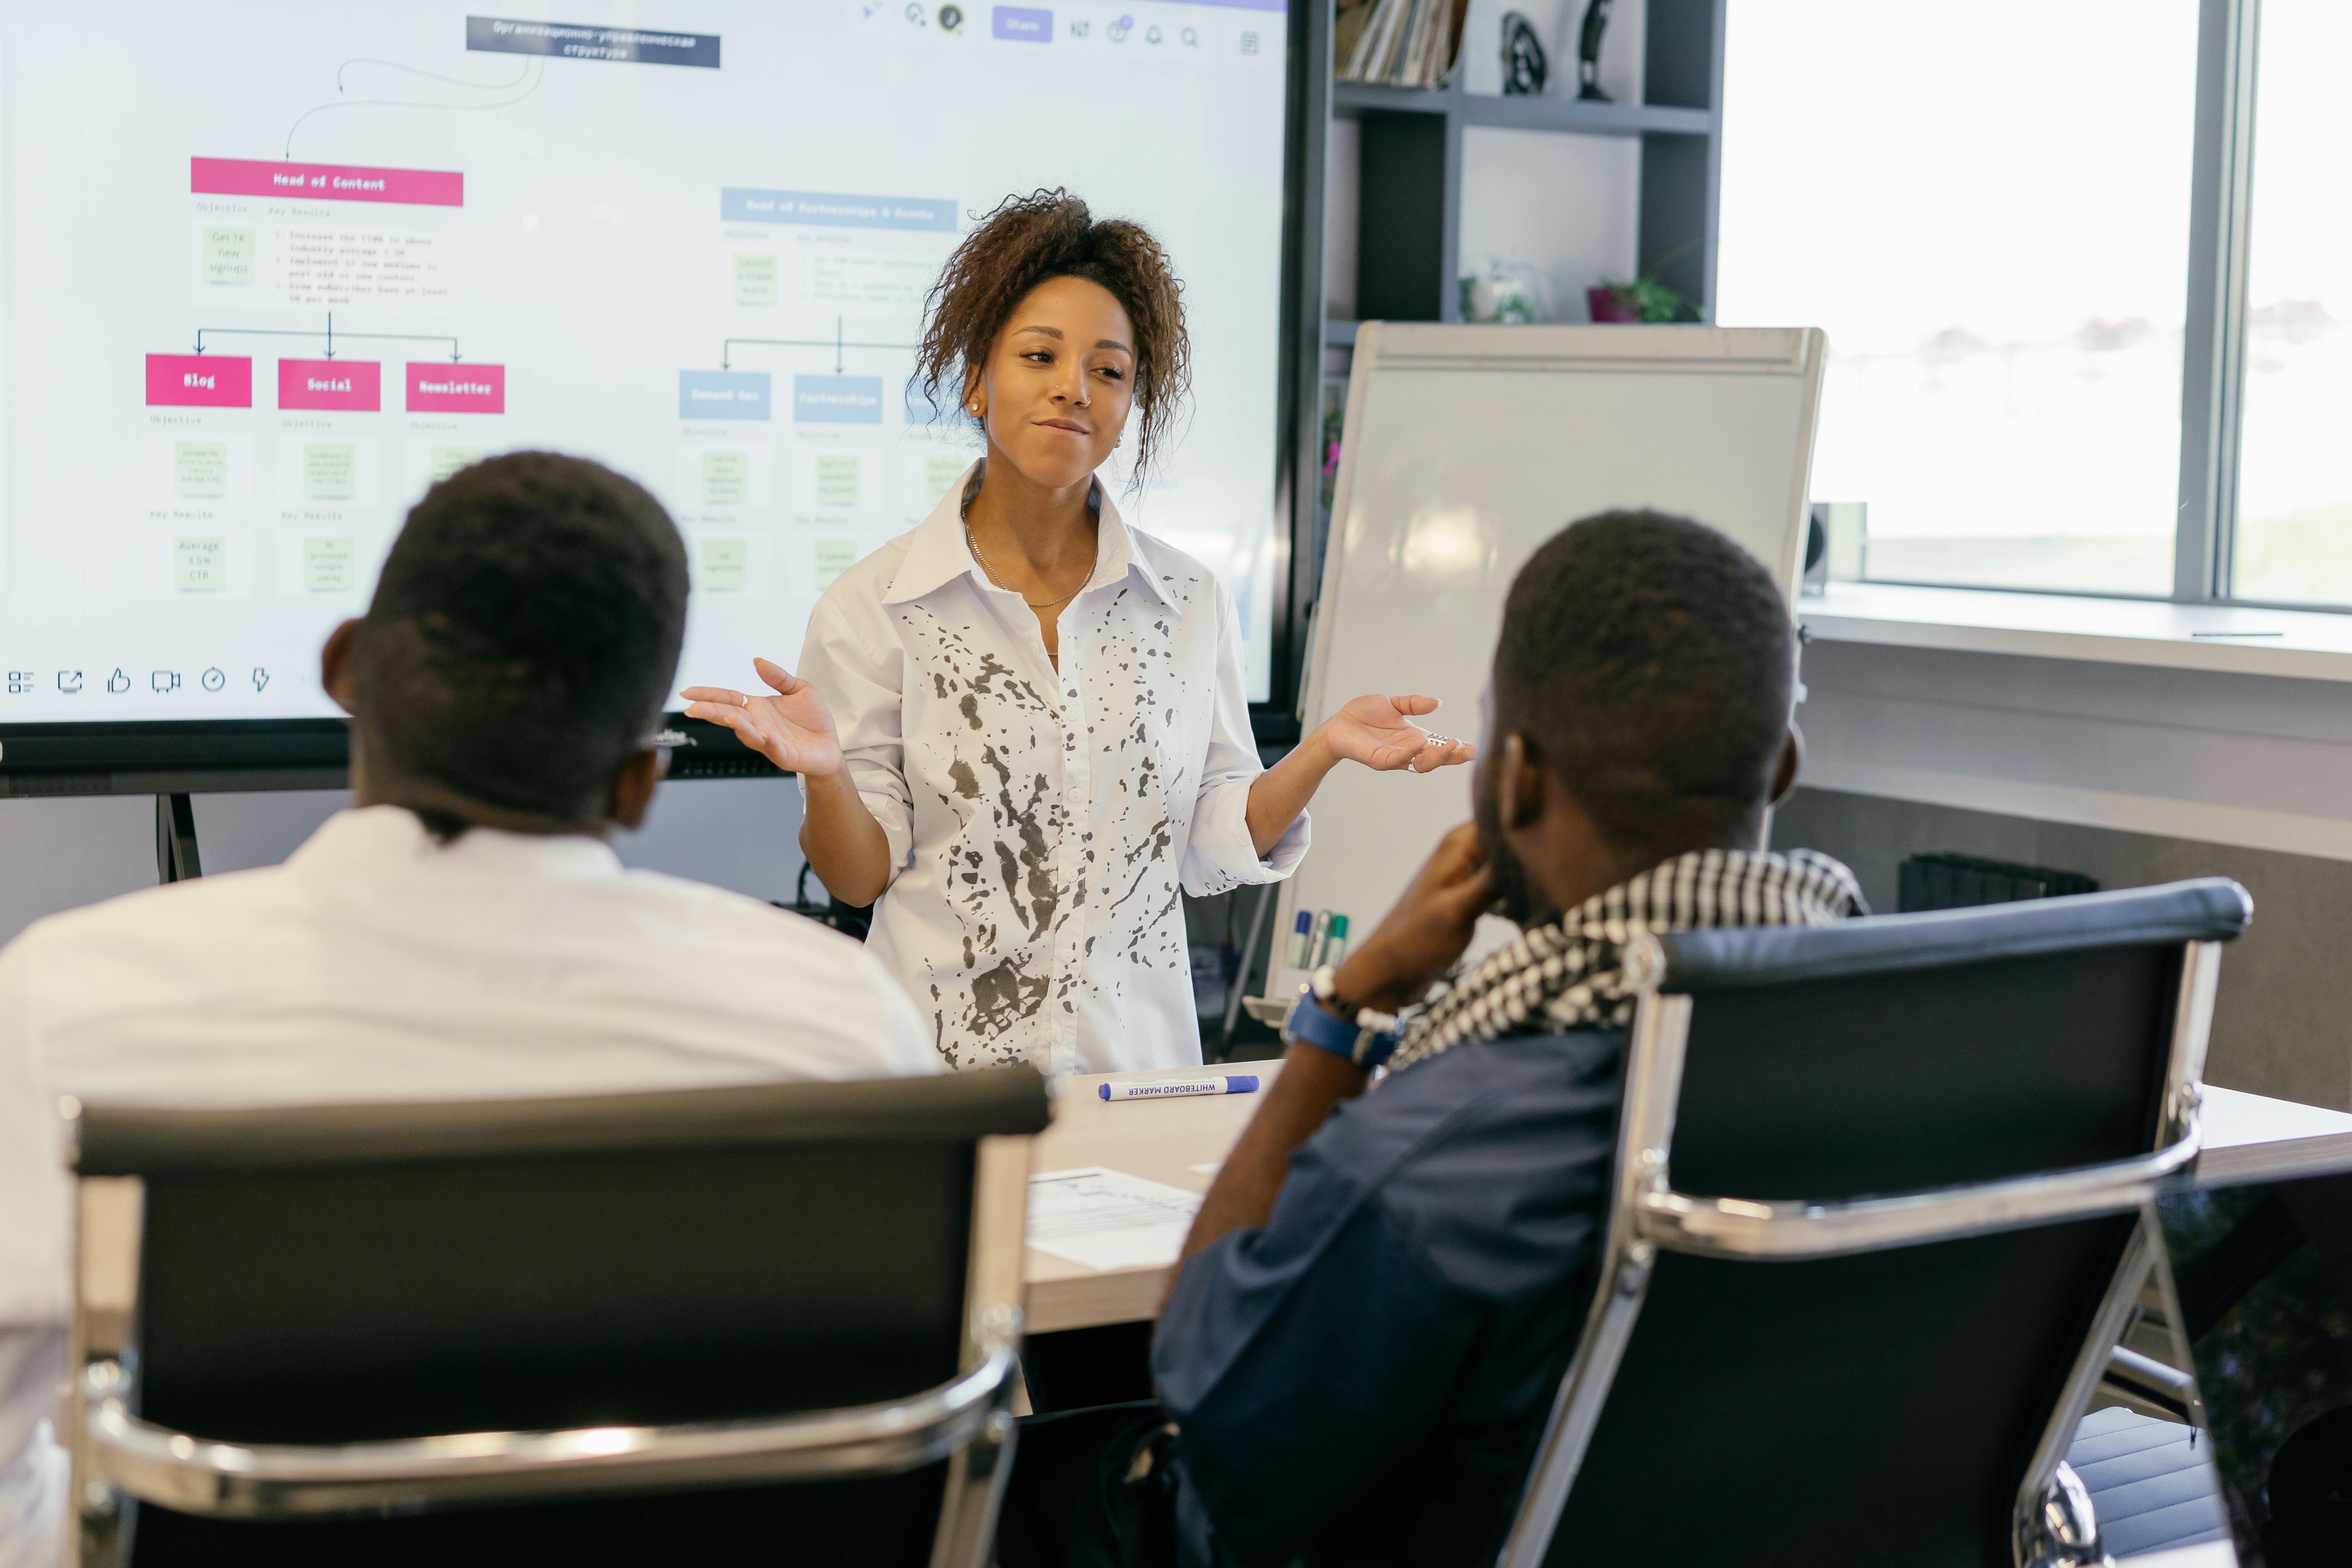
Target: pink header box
{"x":325,"y":182}
{"x":331,"y":383}
{"x":457,"y":388}
{"x":199,"y":381}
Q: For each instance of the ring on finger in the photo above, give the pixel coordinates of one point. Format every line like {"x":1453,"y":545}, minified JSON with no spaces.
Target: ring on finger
{"x":744,"y":698}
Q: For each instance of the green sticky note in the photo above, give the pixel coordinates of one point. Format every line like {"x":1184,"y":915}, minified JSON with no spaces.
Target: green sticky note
{"x":329,"y":471}
{"x":448,"y":460}
{"x":755,"y":277}
{"x":939,"y":475}
{"x":726,"y":479}
{"x":837,"y":478}
{"x":200,"y":469}
{"x":228,"y":256}
{"x":330,"y":565}
{"x":200,"y":564}
{"x":833,"y":556}
{"x":726,"y":566}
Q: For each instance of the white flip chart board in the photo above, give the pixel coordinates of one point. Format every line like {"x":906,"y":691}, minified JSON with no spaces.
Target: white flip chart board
{"x":1466,"y":447}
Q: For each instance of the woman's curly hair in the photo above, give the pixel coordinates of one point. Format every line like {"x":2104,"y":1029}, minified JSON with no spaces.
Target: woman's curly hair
{"x":1032,"y":240}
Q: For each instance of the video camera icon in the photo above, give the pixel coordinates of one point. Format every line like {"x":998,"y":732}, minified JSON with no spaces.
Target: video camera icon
{"x":164,"y":680}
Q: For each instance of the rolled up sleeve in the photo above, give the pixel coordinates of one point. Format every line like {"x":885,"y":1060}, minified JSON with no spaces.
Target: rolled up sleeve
{"x":865,"y":693}
{"x":1220,"y":855}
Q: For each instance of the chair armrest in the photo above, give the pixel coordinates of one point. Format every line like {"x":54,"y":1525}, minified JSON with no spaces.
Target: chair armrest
{"x":238,"y":1480}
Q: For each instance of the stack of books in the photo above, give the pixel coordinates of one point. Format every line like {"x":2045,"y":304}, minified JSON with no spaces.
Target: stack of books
{"x":1403,"y":43}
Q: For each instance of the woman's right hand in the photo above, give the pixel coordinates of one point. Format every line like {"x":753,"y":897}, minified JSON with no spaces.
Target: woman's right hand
{"x":791,"y":729}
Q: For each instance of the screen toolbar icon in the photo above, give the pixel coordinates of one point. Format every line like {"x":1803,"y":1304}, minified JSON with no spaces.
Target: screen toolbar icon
{"x":118,"y":682}
{"x":69,"y":682}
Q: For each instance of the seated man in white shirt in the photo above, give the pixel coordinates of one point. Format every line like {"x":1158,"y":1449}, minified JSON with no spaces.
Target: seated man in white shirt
{"x":464,"y":931}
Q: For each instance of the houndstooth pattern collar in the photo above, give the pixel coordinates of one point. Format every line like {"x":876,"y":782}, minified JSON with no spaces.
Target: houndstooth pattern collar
{"x":1570,"y":974}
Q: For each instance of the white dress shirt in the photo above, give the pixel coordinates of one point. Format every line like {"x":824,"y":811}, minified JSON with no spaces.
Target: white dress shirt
{"x":378,"y":965}
{"x":1041,"y":821}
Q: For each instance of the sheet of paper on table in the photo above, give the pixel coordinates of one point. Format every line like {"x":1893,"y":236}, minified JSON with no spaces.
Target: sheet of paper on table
{"x":1108,"y":1219}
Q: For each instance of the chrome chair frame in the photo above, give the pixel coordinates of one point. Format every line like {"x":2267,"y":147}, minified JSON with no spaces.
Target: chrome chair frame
{"x":967,"y":1420}
{"x":2051,"y":1519}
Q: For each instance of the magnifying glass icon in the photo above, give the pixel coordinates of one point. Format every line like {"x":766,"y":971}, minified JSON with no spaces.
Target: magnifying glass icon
{"x":1192,"y":40}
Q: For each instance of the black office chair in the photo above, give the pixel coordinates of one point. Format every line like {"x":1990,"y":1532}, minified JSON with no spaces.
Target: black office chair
{"x":775,"y":1324}
{"x":1943,"y":1131}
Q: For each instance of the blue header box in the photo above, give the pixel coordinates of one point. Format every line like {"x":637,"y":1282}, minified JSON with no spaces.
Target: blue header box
{"x":725,"y":394}
{"x":836,"y":400}
{"x":827,"y":209}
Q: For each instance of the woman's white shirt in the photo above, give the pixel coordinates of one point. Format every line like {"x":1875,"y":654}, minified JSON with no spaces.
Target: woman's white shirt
{"x":1040,"y":823}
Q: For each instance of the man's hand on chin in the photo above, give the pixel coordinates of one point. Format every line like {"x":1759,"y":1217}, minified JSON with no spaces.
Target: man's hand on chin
{"x":1415,"y":942}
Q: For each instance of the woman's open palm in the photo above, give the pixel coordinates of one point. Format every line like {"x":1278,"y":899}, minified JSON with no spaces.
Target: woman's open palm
{"x":1380,"y":733}
{"x":791,"y":729}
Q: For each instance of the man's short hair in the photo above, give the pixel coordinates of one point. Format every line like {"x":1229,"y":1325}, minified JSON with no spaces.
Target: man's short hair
{"x":524,"y":634}
{"x":1652,"y":663}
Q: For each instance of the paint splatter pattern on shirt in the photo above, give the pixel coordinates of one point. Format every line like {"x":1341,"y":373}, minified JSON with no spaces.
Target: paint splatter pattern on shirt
{"x":1005,"y":771}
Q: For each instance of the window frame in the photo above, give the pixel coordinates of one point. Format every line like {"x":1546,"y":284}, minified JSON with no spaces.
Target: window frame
{"x":2213,"y":343}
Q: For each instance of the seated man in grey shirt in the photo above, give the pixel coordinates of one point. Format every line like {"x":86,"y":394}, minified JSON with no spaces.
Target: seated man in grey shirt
{"x":1382,"y":1289}
{"x":464,"y":932}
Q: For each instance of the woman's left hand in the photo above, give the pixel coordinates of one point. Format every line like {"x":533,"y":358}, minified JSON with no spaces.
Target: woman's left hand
{"x":1379,"y":733}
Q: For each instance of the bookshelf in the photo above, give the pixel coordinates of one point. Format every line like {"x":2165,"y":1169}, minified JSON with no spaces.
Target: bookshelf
{"x":1408,"y":177}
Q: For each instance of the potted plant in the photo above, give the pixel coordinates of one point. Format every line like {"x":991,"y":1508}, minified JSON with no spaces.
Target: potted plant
{"x":1645,"y":298}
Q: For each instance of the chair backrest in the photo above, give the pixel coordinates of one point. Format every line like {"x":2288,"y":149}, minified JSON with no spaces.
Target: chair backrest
{"x":357,"y":1274}
{"x":1879,"y":1188}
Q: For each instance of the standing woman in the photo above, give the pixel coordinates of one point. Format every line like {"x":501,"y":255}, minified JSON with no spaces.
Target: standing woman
{"x":1021,"y":728}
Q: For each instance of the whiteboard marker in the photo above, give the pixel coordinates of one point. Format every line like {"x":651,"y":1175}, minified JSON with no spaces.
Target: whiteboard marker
{"x":1236,"y":1083}
{"x":1298,"y":930}
{"x":1335,"y":941}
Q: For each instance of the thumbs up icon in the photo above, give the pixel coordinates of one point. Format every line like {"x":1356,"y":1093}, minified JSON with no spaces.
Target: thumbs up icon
{"x":118,"y":682}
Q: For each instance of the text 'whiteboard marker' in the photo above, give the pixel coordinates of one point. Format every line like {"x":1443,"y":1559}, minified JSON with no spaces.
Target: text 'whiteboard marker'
{"x":1236,"y":1083}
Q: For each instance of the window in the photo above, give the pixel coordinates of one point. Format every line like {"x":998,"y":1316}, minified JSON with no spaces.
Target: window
{"x":1989,"y":215}
{"x":2294,"y":524}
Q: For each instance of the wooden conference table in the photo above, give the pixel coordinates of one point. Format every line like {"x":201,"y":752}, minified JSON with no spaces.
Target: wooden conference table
{"x":1181,"y":1141}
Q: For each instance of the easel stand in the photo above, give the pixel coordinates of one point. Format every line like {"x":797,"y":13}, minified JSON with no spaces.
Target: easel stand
{"x":175,"y":839}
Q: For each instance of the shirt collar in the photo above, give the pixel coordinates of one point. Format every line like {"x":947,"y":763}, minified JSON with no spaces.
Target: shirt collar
{"x":376,"y":836}
{"x":940,"y":552}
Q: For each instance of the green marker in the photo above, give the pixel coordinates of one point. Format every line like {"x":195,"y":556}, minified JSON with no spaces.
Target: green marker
{"x":1335,"y":941}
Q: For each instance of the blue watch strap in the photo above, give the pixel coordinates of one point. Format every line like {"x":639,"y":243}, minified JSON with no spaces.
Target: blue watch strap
{"x":1308,"y":1024}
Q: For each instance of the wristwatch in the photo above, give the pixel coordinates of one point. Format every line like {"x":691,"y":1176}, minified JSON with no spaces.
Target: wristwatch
{"x":1315,"y":1019}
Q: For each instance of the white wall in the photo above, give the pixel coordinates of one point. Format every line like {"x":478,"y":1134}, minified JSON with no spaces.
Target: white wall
{"x":1567,"y":207}
{"x":61,"y":854}
{"x":2258,"y":762}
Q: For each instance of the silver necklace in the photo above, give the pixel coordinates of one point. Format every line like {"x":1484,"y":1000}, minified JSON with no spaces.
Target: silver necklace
{"x":973,"y":543}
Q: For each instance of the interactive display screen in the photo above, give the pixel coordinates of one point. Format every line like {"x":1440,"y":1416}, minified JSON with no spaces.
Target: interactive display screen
{"x":271,"y":267}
